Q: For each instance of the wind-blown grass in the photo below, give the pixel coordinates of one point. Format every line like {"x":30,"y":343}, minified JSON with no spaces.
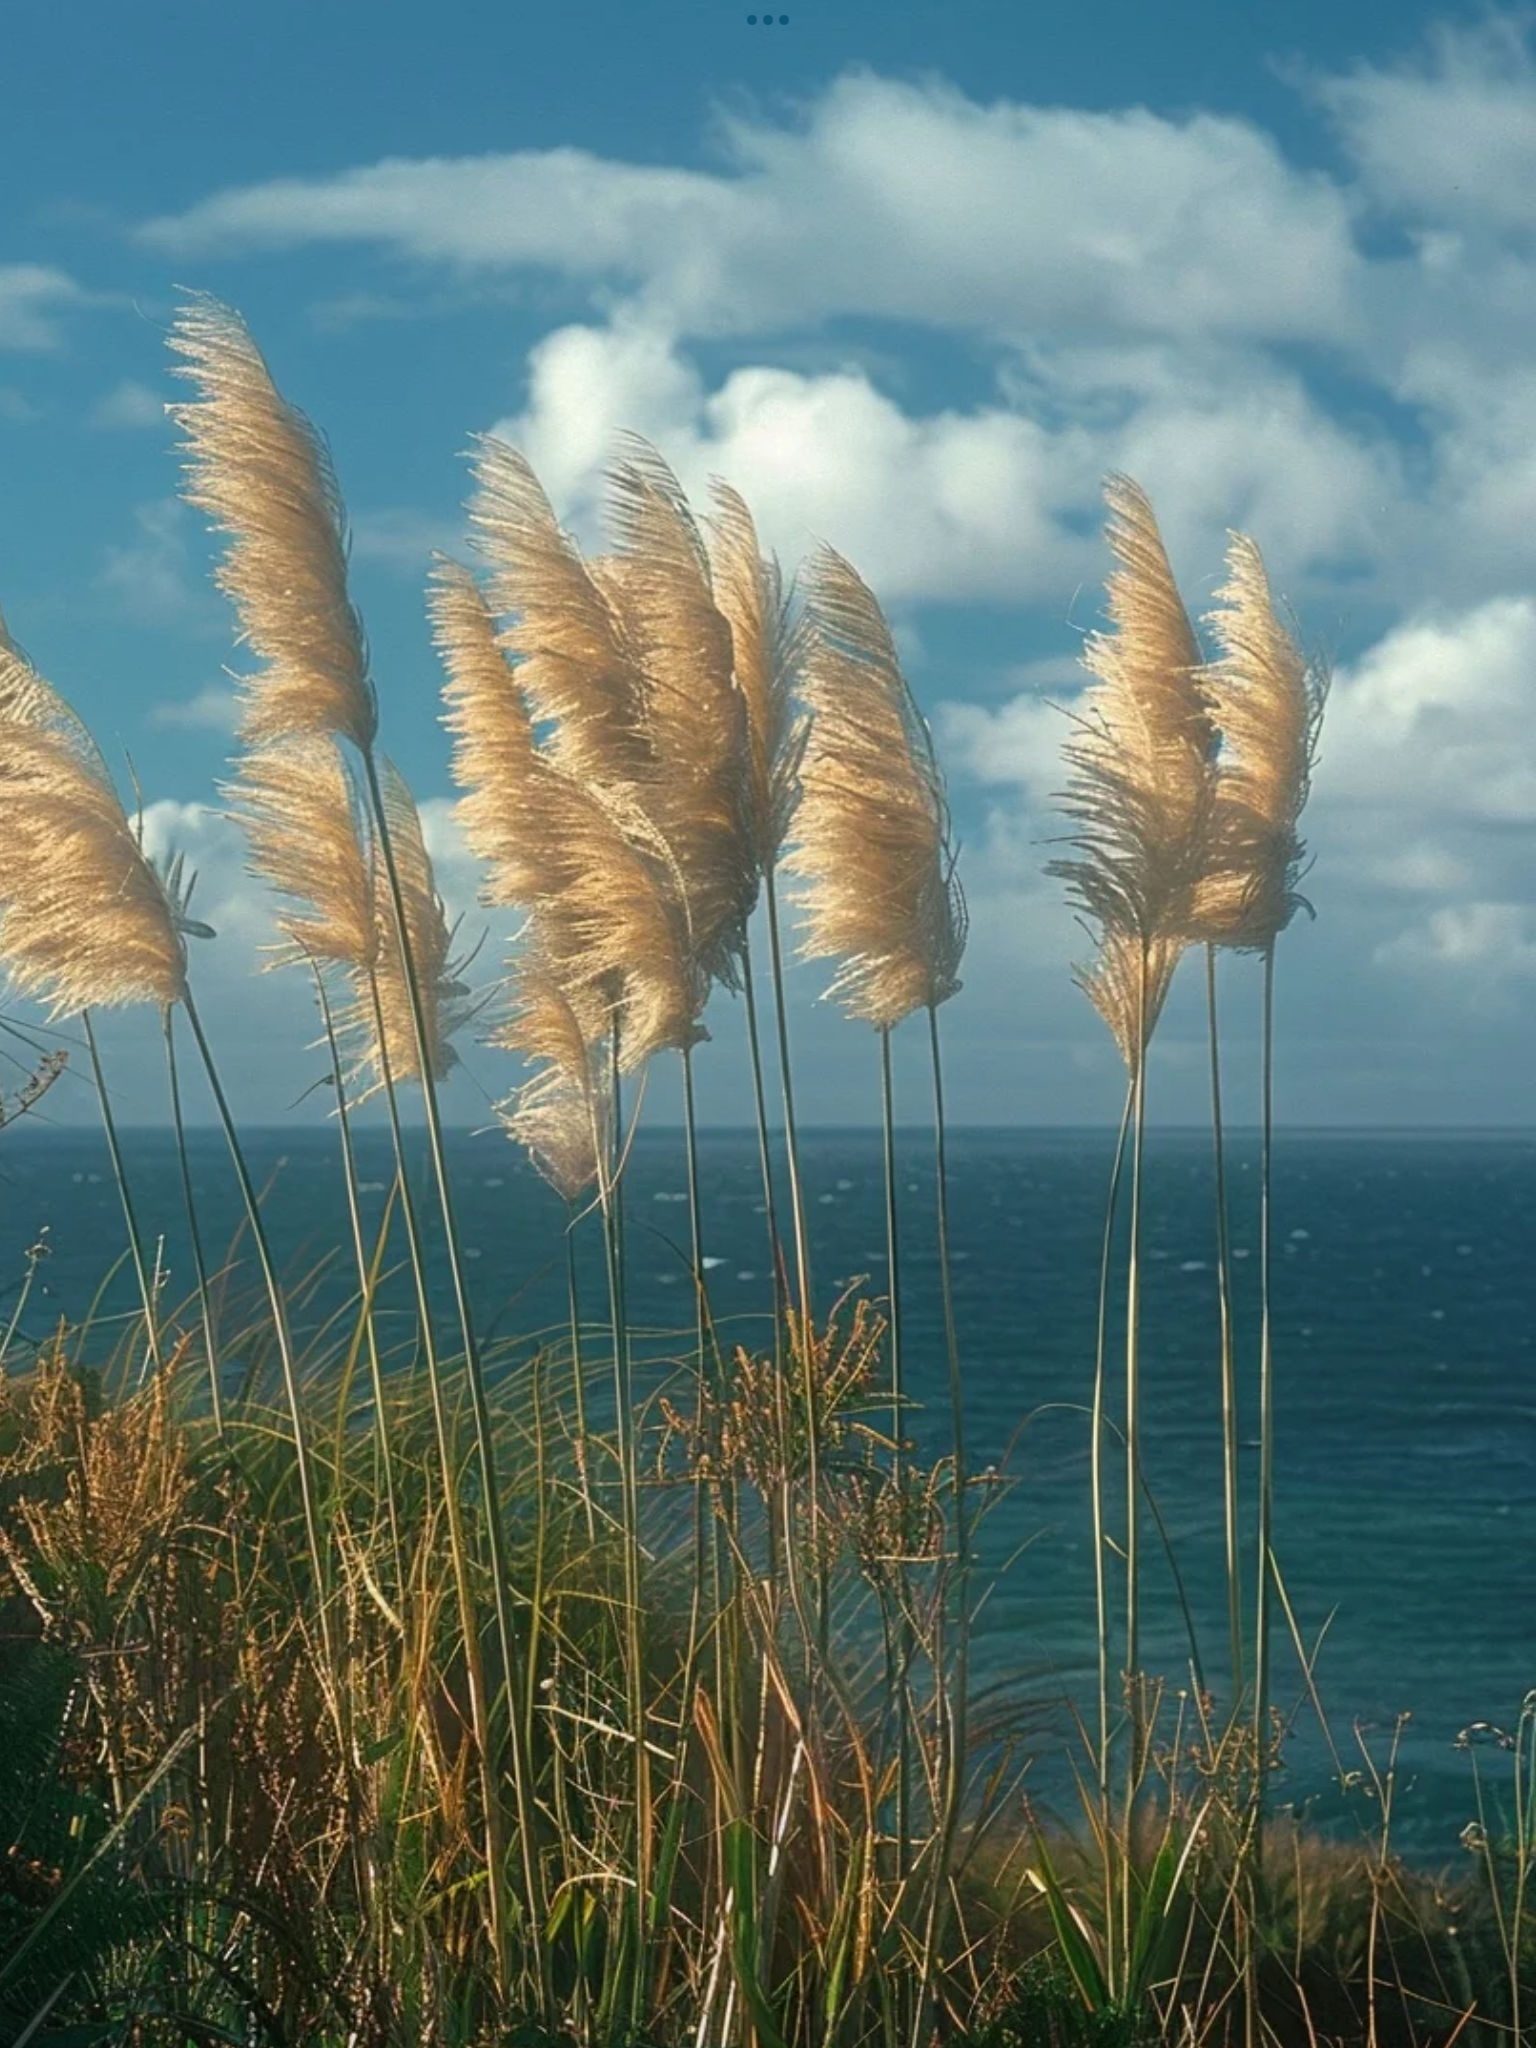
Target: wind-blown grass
{"x":468,"y":1700}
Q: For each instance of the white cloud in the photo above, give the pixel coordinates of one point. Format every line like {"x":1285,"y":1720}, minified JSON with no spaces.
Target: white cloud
{"x":31,"y":297}
{"x":214,"y":709}
{"x":1451,"y":137}
{"x":128,"y":405}
{"x":151,"y":576}
{"x":402,"y":539}
{"x":902,"y":200}
{"x":1481,"y":944}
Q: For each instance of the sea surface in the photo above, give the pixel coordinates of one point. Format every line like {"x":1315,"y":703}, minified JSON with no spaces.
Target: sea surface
{"x":1405,"y":1378}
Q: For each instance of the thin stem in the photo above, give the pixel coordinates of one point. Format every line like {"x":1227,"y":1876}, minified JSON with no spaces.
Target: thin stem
{"x":1228,"y":1366}
{"x":469,"y":1619}
{"x":765,"y":1160}
{"x":1096,"y":1455}
{"x":480,"y":1408}
{"x":365,"y":1278}
{"x":1262,"y":1618}
{"x":810,"y":1391}
{"x":954,"y":1789}
{"x":135,"y":1243}
{"x":317,"y":1551}
{"x":611,"y":1193}
{"x":194,"y":1232}
{"x":893,"y":1290}
{"x":578,"y":1369}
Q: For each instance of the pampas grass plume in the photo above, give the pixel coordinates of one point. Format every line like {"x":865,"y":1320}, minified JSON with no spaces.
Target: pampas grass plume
{"x":872,"y":827}
{"x":261,"y":472}
{"x":585,"y":863}
{"x":1267,"y":699}
{"x":85,"y":919}
{"x":768,"y":650}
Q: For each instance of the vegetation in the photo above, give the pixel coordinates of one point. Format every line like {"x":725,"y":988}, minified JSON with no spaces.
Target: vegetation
{"x":446,"y":1693}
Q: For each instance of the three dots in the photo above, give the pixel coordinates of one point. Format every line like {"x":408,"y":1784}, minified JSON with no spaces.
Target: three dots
{"x":767,"y":20}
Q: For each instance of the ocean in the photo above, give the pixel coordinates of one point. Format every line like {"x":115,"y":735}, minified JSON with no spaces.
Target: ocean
{"x":1405,"y":1376}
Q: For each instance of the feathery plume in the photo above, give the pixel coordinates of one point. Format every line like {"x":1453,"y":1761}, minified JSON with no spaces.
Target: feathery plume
{"x":872,"y":833}
{"x":573,"y":664}
{"x":298,"y":807}
{"x":261,"y":472}
{"x":585,"y":863}
{"x":564,"y":1114}
{"x":1142,"y":787}
{"x":1113,"y":984}
{"x":696,"y":789}
{"x":430,"y":940}
{"x":1267,"y":700}
{"x":768,"y":648}
{"x":86,"y":920}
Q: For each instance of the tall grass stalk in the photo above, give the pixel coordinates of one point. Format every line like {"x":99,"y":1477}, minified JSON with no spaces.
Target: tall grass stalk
{"x":124,"y":1196}
{"x":365,"y":1279}
{"x":481,"y":1715}
{"x":1262,"y":1617}
{"x":319,"y":1555}
{"x":528,"y":1829}
{"x":610,"y":1190}
{"x":578,"y":1366}
{"x":810,"y":1392}
{"x":905,"y":1643}
{"x":194,"y":1229}
{"x":957,"y":1716}
{"x":1228,"y":1363}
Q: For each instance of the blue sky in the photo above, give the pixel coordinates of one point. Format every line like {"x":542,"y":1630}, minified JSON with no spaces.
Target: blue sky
{"x":913,"y":277}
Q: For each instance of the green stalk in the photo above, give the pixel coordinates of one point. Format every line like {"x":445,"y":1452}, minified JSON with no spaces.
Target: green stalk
{"x":135,"y":1243}
{"x":1096,"y":1467}
{"x":811,"y":1392}
{"x":610,"y":1191}
{"x":537,"y":1905}
{"x":954,"y":1782}
{"x":1261,"y":1642}
{"x":365,"y":1279}
{"x":578,"y":1369}
{"x":1133,"y":1470}
{"x":318,"y":1554}
{"x":469,"y":1620}
{"x":760,"y":1104}
{"x":893,"y":1284}
{"x":194,"y":1232}
{"x":1228,"y":1367}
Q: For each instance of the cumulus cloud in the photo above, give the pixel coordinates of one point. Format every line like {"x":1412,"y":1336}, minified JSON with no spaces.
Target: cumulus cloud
{"x":1003,"y":218}
{"x":213,"y":709}
{"x":32,"y":295}
{"x":129,"y":405}
{"x":152,"y":577}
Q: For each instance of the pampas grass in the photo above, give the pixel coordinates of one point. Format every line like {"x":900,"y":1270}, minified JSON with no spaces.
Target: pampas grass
{"x":262,"y":474}
{"x":872,"y":826}
{"x":87,"y":920}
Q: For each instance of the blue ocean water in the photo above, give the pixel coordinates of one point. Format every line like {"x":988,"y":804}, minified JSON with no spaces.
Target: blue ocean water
{"x":1405,"y":1362}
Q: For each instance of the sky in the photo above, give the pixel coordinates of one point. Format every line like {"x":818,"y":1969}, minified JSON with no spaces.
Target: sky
{"x":914,"y":278}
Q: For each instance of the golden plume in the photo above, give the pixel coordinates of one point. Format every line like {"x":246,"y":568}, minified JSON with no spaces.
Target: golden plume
{"x":768,"y":649}
{"x":573,"y":664}
{"x":261,"y":472}
{"x":582,"y":861}
{"x":429,"y":937}
{"x":1267,"y":699}
{"x":86,"y":920}
{"x":297,"y":804}
{"x":307,"y":838}
{"x":1112,"y":983}
{"x":696,"y":788}
{"x":872,"y":833}
{"x":1143,"y":754}
{"x":564,"y":1114}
